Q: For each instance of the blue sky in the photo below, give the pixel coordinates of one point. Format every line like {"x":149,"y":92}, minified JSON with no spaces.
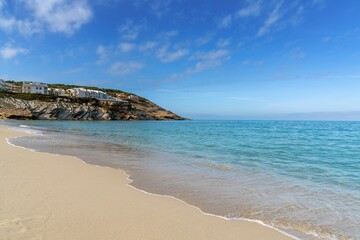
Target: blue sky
{"x":259,"y":59}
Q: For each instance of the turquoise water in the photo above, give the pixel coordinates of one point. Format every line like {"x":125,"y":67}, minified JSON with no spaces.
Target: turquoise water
{"x":302,"y":177}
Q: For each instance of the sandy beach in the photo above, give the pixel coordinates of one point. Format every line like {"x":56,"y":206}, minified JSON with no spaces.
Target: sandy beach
{"x":44,"y":196}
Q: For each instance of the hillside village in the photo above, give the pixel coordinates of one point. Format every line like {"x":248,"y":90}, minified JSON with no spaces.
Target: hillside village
{"x":42,"y":101}
{"x":76,"y":92}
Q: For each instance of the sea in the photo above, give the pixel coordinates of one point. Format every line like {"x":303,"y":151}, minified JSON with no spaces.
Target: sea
{"x":301,"y":177}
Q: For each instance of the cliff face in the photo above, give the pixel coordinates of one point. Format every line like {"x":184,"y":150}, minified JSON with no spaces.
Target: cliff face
{"x":76,"y":109}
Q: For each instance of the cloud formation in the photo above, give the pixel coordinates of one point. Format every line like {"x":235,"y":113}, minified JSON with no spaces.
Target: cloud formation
{"x":165,"y":55}
{"x":208,"y":59}
{"x":271,"y":20}
{"x":102,"y":52}
{"x":223,"y":43}
{"x":124,"y":68}
{"x":149,"y":45}
{"x":252,"y":9}
{"x":8,"y":51}
{"x":126,"y":47}
{"x":57,"y":16}
{"x":211,"y":55}
{"x":225,"y":22}
{"x":129,"y":30}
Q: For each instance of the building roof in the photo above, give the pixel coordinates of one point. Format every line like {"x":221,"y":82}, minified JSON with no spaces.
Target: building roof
{"x":35,"y":84}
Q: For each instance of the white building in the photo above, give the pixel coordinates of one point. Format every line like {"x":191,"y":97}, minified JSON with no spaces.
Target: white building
{"x":78,"y":92}
{"x":88,"y":93}
{"x":98,"y":95}
{"x":35,"y":87}
{"x":57,"y":91}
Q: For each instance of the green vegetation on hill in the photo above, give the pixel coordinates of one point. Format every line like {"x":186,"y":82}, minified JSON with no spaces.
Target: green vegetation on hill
{"x":27,"y":96}
{"x":13,"y":82}
{"x":45,"y":97}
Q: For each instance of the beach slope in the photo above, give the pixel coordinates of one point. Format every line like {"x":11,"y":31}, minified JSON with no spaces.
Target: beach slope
{"x":44,"y":196}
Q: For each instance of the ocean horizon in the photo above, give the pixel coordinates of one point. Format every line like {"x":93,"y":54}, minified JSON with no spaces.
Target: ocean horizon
{"x":302,"y":177}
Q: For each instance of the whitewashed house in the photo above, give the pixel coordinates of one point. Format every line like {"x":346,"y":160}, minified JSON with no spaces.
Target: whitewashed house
{"x":78,"y":92}
{"x":35,"y":87}
{"x":88,"y":93}
{"x":57,"y":91}
{"x":98,"y":95}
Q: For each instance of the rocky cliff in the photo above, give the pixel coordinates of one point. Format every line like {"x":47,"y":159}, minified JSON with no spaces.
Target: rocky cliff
{"x":64,"y":108}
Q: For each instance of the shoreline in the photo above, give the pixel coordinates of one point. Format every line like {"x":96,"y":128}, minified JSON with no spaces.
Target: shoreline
{"x":250,"y":229}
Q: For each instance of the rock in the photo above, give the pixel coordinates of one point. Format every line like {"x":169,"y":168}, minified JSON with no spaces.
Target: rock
{"x":72,"y":109}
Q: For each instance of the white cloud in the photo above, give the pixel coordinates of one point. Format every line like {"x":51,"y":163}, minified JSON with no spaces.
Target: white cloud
{"x":147,"y":46}
{"x":28,"y":28}
{"x":198,"y":67}
{"x":59,"y":16}
{"x":223,"y":43}
{"x":209,"y":59}
{"x":129,"y":30}
{"x":225,"y":22}
{"x":126,"y":47}
{"x":297,"y":53}
{"x":271,"y":20}
{"x":204,"y":39}
{"x":201,"y":66}
{"x":166,"y":35}
{"x":8,"y":52}
{"x":253,"y":9}
{"x":169,"y":56}
{"x":125,"y":68}
{"x":205,"y":60}
{"x":7,"y":24}
{"x":25,"y":27}
{"x":298,"y":15}
{"x":211,"y":55}
{"x":103,"y":54}
{"x":160,"y":7}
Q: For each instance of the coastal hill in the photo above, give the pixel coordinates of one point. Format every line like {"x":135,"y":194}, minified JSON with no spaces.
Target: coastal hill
{"x":127,"y":106}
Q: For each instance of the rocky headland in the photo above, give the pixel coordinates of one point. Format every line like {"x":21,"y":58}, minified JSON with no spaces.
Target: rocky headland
{"x":44,"y":107}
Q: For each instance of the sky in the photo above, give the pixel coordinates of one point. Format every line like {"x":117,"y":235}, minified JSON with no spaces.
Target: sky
{"x":244,"y":59}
